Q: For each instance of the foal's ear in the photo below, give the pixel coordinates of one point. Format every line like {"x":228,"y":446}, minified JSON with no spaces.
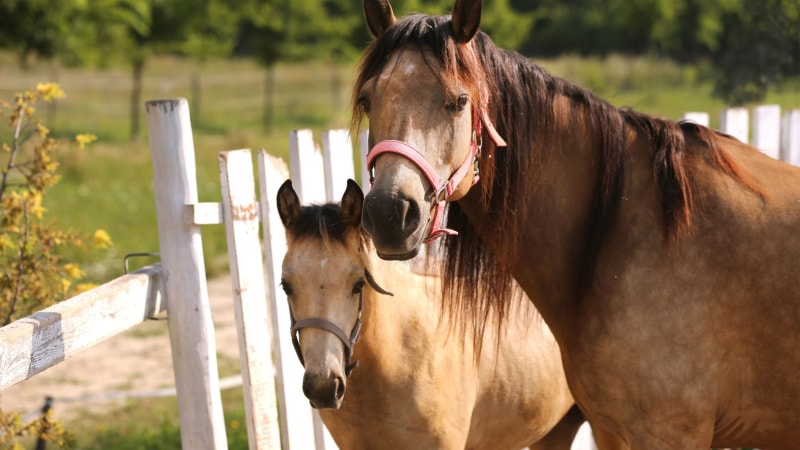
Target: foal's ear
{"x":288,"y":204}
{"x":466,"y":19}
{"x":352,"y":201}
{"x":379,"y":16}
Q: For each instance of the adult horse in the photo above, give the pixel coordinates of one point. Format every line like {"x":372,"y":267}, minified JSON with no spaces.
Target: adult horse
{"x":416,"y":385}
{"x":662,"y":255}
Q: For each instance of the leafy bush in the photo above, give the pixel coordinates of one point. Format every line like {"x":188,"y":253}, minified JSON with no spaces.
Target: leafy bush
{"x":33,"y":275}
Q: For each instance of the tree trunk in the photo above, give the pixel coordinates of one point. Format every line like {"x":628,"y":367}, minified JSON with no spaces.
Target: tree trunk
{"x":136,"y":97}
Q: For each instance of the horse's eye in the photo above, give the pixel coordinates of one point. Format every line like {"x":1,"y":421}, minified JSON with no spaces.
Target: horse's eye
{"x":463,"y":99}
{"x":363,"y":104}
{"x":460,"y":103}
{"x":286,"y":288}
{"x":358,"y":287}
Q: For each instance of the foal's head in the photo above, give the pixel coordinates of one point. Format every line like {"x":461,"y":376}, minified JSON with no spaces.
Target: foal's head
{"x":323,"y":275}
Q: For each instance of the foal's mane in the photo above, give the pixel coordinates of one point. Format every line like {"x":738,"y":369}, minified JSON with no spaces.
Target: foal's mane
{"x":324,"y":222}
{"x":520,"y":97}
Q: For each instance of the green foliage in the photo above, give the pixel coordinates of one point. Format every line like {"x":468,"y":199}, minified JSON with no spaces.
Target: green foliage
{"x":33,"y":274}
{"x":760,"y":50}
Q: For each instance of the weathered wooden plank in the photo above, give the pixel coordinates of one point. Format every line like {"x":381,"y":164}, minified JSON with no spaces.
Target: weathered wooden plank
{"x":790,"y":138}
{"x":697,"y":117}
{"x":37,"y":342}
{"x":296,"y":418}
{"x":736,"y":122}
{"x":250,"y":298}
{"x":767,"y":129}
{"x":304,"y":153}
{"x":337,"y":155}
{"x":191,"y":328}
{"x":207,"y":213}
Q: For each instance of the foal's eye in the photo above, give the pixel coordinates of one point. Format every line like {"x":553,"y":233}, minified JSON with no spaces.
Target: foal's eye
{"x":286,"y":288}
{"x":358,"y":287}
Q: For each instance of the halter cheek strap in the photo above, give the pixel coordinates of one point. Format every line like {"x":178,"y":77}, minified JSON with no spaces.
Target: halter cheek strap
{"x":442,"y":188}
{"x":348,"y":341}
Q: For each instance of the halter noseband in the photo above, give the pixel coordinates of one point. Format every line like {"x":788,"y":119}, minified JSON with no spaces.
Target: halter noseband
{"x":348,"y":341}
{"x":442,"y":188}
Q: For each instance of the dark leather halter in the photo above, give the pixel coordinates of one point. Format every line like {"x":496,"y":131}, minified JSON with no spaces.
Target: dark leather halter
{"x":348,"y":341}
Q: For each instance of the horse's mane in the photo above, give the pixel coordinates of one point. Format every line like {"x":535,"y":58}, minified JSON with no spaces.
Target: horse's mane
{"x":514,"y":90}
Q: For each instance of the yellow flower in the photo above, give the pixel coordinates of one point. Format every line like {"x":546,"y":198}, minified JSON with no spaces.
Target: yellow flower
{"x":84,"y":139}
{"x":73,"y":271}
{"x":101,"y":239}
{"x":83,"y":287}
{"x":234,"y":424}
{"x":49,"y":91}
{"x":42,"y":130}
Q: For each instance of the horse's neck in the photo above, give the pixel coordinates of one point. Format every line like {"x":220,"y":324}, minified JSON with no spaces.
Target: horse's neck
{"x":551,"y":242}
{"x":385,"y":317}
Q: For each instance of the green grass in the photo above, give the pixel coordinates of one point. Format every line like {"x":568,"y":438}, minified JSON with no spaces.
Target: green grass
{"x":152,"y":424}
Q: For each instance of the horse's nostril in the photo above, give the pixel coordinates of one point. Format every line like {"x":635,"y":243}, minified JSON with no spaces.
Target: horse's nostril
{"x":395,"y":214}
{"x":340,"y":384}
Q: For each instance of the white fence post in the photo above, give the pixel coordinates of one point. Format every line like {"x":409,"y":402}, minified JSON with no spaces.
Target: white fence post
{"x":767,"y":129}
{"x":309,"y":182}
{"x":790,"y":137}
{"x":189,"y":315}
{"x":700,"y":118}
{"x":240,"y":209}
{"x":337,"y":153}
{"x":296,"y":419}
{"x":736,"y":122}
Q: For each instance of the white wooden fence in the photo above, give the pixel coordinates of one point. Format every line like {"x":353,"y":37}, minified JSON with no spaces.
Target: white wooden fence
{"x":775,"y":136}
{"x":271,"y":374}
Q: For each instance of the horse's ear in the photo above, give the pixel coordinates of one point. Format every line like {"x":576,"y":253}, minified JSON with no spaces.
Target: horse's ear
{"x":466,"y":19}
{"x":352,"y":201}
{"x":288,"y":204}
{"x":379,"y":16}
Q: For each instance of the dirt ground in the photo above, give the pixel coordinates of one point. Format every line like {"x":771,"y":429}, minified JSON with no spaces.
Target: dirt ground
{"x":138,"y":360}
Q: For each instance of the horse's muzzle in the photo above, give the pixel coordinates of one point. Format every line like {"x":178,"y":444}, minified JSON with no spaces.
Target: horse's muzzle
{"x":324,"y":391}
{"x":395,"y":224}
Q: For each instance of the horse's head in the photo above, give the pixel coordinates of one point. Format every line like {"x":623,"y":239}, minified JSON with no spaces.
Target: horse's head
{"x":323,"y":275}
{"x":421,"y":88}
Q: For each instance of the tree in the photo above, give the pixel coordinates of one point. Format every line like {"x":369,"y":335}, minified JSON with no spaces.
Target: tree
{"x":759,"y":51}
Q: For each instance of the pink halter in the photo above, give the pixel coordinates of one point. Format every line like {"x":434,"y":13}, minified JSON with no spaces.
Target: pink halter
{"x":443,"y":188}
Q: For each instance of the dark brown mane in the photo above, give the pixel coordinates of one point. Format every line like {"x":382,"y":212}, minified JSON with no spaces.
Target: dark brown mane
{"x":521,"y":98}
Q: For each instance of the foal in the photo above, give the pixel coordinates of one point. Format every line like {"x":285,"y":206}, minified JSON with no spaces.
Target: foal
{"x":417,"y":385}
